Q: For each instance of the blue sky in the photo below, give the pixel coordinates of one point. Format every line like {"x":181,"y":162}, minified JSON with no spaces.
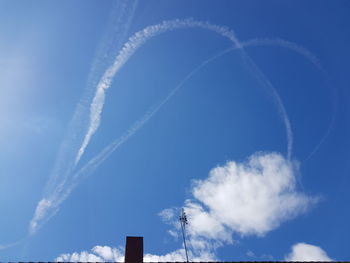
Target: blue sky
{"x":235,"y":110}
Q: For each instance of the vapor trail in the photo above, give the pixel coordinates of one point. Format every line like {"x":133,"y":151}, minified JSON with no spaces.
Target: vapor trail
{"x":9,"y":245}
{"x":313,"y":60}
{"x":112,"y":40}
{"x":51,"y":202}
{"x":288,"y":45}
{"x":139,"y":38}
{"x":134,"y":43}
{"x":49,"y":205}
{"x":108,"y":150}
{"x":99,"y":158}
{"x":276,"y":99}
{"x":63,"y":192}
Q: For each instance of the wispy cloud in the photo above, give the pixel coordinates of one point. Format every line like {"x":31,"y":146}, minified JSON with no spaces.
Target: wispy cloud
{"x":307,"y":252}
{"x":243,"y":199}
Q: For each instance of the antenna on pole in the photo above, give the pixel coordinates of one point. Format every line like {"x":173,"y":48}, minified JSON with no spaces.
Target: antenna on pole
{"x":183,"y":222}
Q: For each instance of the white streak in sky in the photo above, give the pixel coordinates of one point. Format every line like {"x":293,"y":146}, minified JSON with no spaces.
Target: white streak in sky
{"x":49,"y":205}
{"x":138,"y":39}
{"x":276,"y":99}
{"x":289,"y":45}
{"x":9,"y":245}
{"x":134,"y":43}
{"x":315,"y":61}
{"x":112,"y":40}
{"x":108,"y":150}
{"x":56,"y":195}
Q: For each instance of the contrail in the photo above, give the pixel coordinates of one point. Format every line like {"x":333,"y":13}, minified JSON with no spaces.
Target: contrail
{"x":276,"y":99}
{"x":49,"y":205}
{"x":288,"y":45}
{"x":104,"y":154}
{"x":99,"y":158}
{"x":313,"y":60}
{"x":13,"y":244}
{"x":112,"y":40}
{"x":139,"y":38}
{"x":134,"y":43}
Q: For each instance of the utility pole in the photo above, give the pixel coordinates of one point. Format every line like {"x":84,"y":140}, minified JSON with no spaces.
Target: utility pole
{"x":183,"y":222}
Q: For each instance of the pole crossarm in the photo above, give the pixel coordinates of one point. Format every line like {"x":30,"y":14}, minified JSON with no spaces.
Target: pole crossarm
{"x":184,"y":222}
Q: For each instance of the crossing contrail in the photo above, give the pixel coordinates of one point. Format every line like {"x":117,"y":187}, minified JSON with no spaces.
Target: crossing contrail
{"x":9,"y":245}
{"x":113,"y":38}
{"x":115,"y":34}
{"x":139,"y":38}
{"x":104,"y":154}
{"x":134,"y":43}
{"x":313,"y":60}
{"x":50,"y":204}
{"x":48,"y":207}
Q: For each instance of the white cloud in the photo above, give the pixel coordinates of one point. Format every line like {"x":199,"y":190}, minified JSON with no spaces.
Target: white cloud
{"x":106,"y":253}
{"x":97,"y":254}
{"x":179,"y":255}
{"x":307,"y":252}
{"x":253,"y":197}
{"x":97,"y":104}
{"x":249,"y":198}
{"x":300,"y":252}
{"x":204,"y":225}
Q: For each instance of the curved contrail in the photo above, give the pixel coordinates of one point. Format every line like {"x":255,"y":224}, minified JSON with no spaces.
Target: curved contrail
{"x":332,"y":121}
{"x":289,"y":45}
{"x":49,"y":205}
{"x":105,"y":153}
{"x":134,"y":43}
{"x":315,"y":61}
{"x":9,"y":245}
{"x":139,"y":38}
{"x":113,"y":38}
{"x":99,"y":158}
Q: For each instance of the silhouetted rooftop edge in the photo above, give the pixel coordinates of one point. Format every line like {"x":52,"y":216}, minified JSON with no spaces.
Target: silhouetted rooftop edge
{"x":167,"y":261}
{"x":134,"y":254}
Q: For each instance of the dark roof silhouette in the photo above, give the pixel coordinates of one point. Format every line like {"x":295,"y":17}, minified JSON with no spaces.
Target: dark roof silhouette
{"x":134,"y":254}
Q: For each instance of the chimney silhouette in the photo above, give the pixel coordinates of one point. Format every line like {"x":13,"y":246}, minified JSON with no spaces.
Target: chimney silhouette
{"x":134,"y":250}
